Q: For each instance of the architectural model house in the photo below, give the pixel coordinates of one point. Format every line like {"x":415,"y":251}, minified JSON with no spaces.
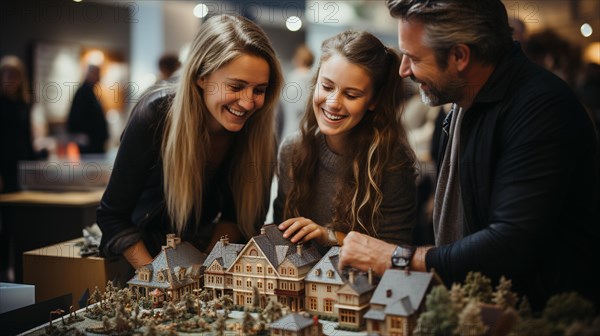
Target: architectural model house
{"x":296,"y":325}
{"x":176,"y":270}
{"x":216,"y":277}
{"x":275,"y":266}
{"x":353,"y":300}
{"x":397,"y":302}
{"x":322,"y":284}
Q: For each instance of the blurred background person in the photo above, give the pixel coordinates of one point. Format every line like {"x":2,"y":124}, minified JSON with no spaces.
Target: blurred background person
{"x":295,"y":93}
{"x":168,"y":64}
{"x":15,"y":122}
{"x":87,"y":116}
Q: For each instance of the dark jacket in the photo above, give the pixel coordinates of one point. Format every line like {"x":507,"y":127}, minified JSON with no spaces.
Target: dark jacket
{"x":529,"y":183}
{"x":87,"y":117}
{"x":133,"y":206}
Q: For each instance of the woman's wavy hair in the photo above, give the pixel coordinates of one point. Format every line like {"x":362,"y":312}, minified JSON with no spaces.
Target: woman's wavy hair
{"x":375,"y":141}
{"x":186,"y":142}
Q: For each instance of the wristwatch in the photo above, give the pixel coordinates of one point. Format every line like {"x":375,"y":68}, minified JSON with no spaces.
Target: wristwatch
{"x":402,"y":256}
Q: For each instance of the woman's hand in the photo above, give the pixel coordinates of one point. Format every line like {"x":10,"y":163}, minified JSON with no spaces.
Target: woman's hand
{"x":137,"y":255}
{"x":302,"y":229}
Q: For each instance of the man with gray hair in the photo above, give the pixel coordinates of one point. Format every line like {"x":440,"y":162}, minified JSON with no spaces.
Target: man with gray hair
{"x":517,"y":190}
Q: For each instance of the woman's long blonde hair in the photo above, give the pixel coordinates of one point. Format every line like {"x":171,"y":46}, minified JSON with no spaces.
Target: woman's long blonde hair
{"x":185,"y":148}
{"x":375,"y":141}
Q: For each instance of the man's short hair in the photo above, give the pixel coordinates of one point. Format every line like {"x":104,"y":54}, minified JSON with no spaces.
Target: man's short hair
{"x":480,"y":24}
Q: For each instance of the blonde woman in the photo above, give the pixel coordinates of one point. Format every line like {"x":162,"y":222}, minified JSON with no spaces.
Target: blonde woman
{"x":351,"y":168}
{"x":196,"y":155}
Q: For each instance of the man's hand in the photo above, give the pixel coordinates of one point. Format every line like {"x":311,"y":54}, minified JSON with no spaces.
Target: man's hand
{"x":302,"y":229}
{"x":363,"y":252}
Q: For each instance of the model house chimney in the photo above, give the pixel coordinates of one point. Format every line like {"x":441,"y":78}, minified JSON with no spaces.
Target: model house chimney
{"x":388,"y":293}
{"x":173,"y":240}
{"x":224,"y":240}
{"x":351,"y":276}
{"x":370,"y":275}
{"x":263,"y":231}
{"x":299,"y":249}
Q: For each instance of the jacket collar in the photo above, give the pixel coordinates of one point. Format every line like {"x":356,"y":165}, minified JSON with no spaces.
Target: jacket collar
{"x":496,"y":87}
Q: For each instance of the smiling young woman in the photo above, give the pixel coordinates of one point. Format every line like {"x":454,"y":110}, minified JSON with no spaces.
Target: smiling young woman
{"x":185,"y":154}
{"x":351,"y":167}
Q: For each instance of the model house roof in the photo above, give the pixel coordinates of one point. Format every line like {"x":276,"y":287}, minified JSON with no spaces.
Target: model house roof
{"x":171,"y":259}
{"x":360,"y":285}
{"x":278,"y":249}
{"x":292,"y":322}
{"x":326,"y":270}
{"x":400,"y":292}
{"x":224,"y":253}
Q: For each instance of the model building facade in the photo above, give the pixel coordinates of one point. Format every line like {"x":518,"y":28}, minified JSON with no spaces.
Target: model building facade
{"x":217,"y":279}
{"x":397,"y":302}
{"x":275,"y":266}
{"x":175,"y":271}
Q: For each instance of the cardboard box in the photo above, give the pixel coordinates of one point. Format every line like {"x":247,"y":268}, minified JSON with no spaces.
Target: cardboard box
{"x":59,"y":269}
{"x":13,"y":296}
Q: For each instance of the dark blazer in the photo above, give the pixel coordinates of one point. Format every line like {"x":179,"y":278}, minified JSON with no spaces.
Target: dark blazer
{"x":133,"y":206}
{"x":529,"y":183}
{"x":87,"y":117}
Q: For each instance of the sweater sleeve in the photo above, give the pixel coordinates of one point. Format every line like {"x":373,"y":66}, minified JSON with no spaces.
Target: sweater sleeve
{"x":136,"y":159}
{"x":398,"y":208}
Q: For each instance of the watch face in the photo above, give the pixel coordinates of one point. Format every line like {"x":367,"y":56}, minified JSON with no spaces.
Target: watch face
{"x":400,"y":261}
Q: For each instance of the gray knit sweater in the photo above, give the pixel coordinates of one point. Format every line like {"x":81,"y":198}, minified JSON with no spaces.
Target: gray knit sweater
{"x":399,"y":193}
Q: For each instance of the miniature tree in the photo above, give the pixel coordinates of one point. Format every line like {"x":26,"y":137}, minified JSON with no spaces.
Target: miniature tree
{"x":503,"y":296}
{"x":273,"y":311}
{"x":171,"y":312}
{"x":220,"y":326}
{"x":457,"y":296}
{"x":255,"y":298}
{"x":440,"y":317}
{"x":227,"y":302}
{"x":564,"y":309}
{"x":525,"y":311}
{"x":189,"y":300}
{"x":479,"y":287}
{"x":96,"y":297}
{"x":469,"y":320}
{"x":247,"y":323}
{"x":106,"y":324}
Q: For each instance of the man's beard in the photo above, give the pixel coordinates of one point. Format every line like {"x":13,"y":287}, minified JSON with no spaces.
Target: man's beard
{"x":449,"y":90}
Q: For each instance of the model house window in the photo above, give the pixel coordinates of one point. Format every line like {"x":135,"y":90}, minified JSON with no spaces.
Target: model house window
{"x":328,"y":305}
{"x":238,"y":268}
{"x":248,"y":268}
{"x":253,"y":253}
{"x":330,"y":274}
{"x":396,"y":322}
{"x":229,"y":281}
{"x":291,"y":271}
{"x":259,"y":284}
{"x":259,"y":269}
{"x":328,"y":289}
{"x":248,"y":299}
{"x":283,"y":271}
{"x":312,"y":303}
{"x":313,"y":287}
{"x":347,"y":316}
{"x":318,"y":272}
{"x":238,"y":283}
{"x":160,"y":277}
{"x":249,"y":283}
{"x":269,"y":270}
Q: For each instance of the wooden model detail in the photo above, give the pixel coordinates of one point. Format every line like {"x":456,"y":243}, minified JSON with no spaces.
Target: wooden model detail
{"x":296,"y":325}
{"x":322,"y":284}
{"x":353,"y":300}
{"x":397,"y":302}
{"x":273,"y":265}
{"x":217,"y":279}
{"x":175,"y":271}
